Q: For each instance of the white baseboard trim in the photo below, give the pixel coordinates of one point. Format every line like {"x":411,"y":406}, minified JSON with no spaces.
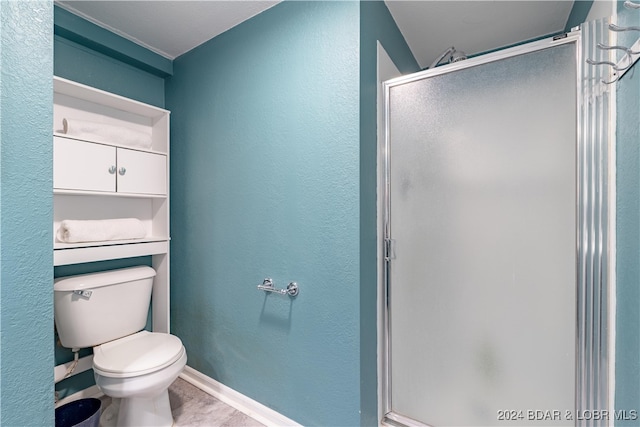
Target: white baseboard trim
{"x":239,"y":401}
{"x":92,"y":391}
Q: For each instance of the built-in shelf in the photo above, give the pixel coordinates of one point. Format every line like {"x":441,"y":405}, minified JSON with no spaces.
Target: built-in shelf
{"x":98,"y":97}
{"x":62,"y":245}
{"x":112,"y":144}
{"x":101,"y":178}
{"x":79,"y":255}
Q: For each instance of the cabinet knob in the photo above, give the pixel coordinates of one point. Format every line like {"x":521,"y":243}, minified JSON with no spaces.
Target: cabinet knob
{"x":122,"y":171}
{"x":112,"y":170}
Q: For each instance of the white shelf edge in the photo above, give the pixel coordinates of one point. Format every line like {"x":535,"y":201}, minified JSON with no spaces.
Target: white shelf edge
{"x":110,"y":144}
{"x":62,"y":245}
{"x":107,"y":194}
{"x":80,"y":255}
{"x":98,"y":96}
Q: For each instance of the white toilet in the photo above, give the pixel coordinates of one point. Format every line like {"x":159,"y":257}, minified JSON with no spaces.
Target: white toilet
{"x":107,"y":311}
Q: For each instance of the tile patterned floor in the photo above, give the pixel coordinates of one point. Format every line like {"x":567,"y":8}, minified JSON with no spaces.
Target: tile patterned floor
{"x":192,"y":407}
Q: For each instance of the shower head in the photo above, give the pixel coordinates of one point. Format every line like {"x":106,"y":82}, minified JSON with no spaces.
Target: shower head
{"x":454,"y":56}
{"x":457,"y":55}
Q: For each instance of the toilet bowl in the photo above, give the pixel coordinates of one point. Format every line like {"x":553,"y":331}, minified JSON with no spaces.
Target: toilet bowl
{"x":135,"y":367}
{"x":137,"y":370}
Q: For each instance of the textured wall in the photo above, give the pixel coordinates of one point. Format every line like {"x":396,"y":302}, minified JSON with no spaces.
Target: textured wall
{"x":83,"y":65}
{"x":98,"y":39}
{"x":628,"y":231}
{"x":26,"y":261}
{"x":264,"y":182}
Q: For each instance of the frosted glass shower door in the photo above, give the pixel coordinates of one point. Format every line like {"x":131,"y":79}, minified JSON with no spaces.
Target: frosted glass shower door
{"x":482,"y":215}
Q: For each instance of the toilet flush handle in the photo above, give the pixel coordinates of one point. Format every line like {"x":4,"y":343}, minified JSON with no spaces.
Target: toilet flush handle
{"x":86,"y":294}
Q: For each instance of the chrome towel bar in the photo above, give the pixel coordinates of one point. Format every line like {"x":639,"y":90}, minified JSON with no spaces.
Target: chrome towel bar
{"x":267,"y":286}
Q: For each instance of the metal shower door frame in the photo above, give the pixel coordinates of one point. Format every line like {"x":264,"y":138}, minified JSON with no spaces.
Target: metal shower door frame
{"x":593,"y":261}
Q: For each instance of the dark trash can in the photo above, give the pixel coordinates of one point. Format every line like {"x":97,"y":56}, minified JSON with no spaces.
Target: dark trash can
{"x":79,"y":413}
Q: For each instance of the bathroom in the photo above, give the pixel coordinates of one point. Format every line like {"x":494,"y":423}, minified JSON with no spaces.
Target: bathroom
{"x":300,"y":208}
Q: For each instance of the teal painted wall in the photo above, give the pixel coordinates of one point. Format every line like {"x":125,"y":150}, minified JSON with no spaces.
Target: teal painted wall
{"x":578,"y":14}
{"x":98,"y":39}
{"x":628,"y":230}
{"x":26,"y":213}
{"x":376,"y":24}
{"x":91,"y":55}
{"x":83,"y":65}
{"x":264,"y":183}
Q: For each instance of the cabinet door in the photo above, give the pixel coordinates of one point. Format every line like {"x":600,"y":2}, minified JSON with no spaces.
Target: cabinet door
{"x":79,"y":165}
{"x":141,"y":172}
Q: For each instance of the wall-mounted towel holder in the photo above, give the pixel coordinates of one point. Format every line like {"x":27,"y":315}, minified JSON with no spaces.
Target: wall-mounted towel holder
{"x":268,"y":286}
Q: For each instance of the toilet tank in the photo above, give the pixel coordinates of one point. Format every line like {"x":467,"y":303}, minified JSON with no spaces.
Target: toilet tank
{"x":91,"y":309}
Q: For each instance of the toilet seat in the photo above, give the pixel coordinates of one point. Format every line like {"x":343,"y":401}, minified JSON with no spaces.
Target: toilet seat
{"x":138,"y":354}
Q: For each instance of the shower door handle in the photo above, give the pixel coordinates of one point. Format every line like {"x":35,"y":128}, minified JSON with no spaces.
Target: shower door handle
{"x":389,"y":249}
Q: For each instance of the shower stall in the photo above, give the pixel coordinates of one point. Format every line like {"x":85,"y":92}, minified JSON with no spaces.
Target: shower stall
{"x":495,"y":240}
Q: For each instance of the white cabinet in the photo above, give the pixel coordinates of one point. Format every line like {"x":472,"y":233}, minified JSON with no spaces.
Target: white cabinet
{"x":140,"y":172}
{"x":100,"y":178}
{"x":86,"y":166}
{"x":81,"y":165}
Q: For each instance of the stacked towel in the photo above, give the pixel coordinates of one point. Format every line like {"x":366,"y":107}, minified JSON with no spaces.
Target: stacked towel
{"x":76,"y":231}
{"x":102,"y":132}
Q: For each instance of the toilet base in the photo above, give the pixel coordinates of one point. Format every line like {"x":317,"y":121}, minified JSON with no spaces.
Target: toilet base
{"x":140,"y":401}
{"x":138,"y":412}
{"x":109,"y":415}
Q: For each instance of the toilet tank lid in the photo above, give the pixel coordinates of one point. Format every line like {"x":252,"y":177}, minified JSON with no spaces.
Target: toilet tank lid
{"x":104,"y":278}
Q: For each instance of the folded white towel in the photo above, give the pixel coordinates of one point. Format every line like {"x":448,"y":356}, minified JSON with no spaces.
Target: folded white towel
{"x":103,"y":132}
{"x":76,"y":231}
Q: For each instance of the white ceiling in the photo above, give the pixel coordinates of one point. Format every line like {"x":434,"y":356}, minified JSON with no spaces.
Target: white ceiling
{"x":171,"y":28}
